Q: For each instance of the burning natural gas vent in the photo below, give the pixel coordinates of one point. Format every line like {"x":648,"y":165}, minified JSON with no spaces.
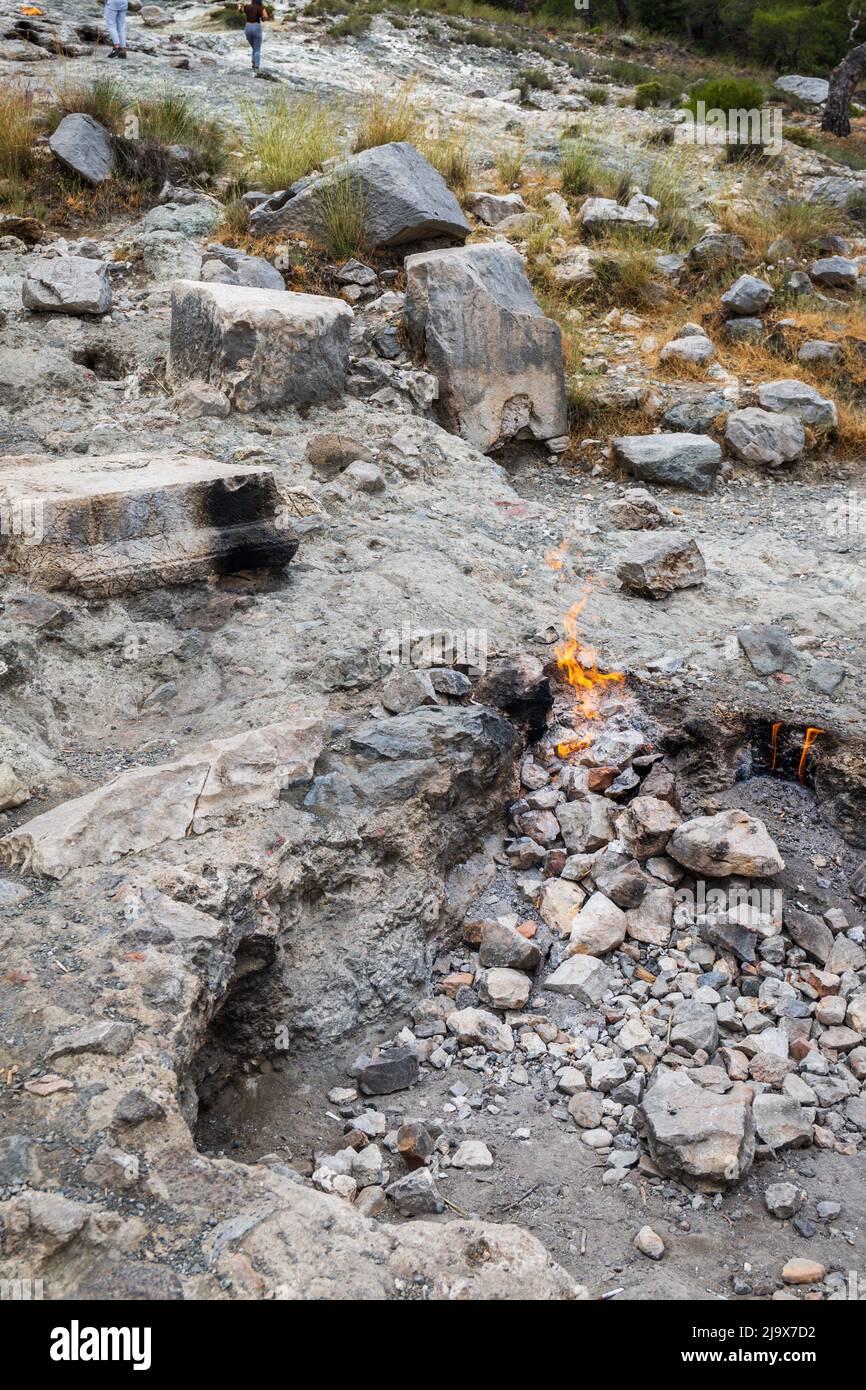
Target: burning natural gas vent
{"x":785,"y":750}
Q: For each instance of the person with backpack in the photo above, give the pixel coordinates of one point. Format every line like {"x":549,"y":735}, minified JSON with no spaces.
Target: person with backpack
{"x":255,"y":14}
{"x":115,"y":22}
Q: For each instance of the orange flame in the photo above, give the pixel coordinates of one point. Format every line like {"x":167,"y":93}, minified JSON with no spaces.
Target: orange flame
{"x":579,"y":666}
{"x":774,"y":741}
{"x":811,"y":735}
{"x":30,"y":9}
{"x":556,"y":557}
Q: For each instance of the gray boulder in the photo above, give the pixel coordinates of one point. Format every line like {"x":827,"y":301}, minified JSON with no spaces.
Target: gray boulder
{"x":759,"y":436}
{"x":837,"y":271}
{"x":747,"y":296}
{"x":493,"y":208}
{"x":597,"y":214}
{"x":680,"y":459}
{"x":837,"y":190}
{"x":811,"y":89}
{"x":781,"y":1122}
{"x":693,"y":1133}
{"x":67,"y":285}
{"x":497,"y":359}
{"x":693,"y":348}
{"x":656,"y":566}
{"x":819,"y":350}
{"x":85,"y":147}
{"x":403,"y":197}
{"x":223,"y":265}
{"x":792,"y":397}
{"x":744,"y":330}
{"x":696,"y":414}
{"x":768,"y":648}
{"x":730,"y":842}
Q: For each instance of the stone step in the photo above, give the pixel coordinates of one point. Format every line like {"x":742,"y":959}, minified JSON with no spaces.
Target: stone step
{"x":123,"y":522}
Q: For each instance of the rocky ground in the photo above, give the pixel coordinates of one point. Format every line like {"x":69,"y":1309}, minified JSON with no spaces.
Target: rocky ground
{"x":244,"y":850}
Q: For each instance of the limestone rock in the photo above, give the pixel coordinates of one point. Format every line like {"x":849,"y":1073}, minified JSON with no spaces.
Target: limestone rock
{"x":836,"y":271}
{"x":13,"y":792}
{"x":404,"y":199}
{"x":84,"y":146}
{"x":730,"y":842}
{"x":598,"y":928}
{"x":497,"y":359}
{"x":655,"y":567}
{"x":504,"y":947}
{"x":151,"y":804}
{"x":811,"y":89}
{"x":680,"y":459}
{"x":759,"y":436}
{"x":791,"y":397}
{"x":67,"y":285}
{"x":747,"y":296}
{"x":649,"y":1243}
{"x":598,"y":214}
{"x":477,"y":1026}
{"x":781,"y":1122}
{"x":646,"y":825}
{"x":263,"y":348}
{"x":695,"y":1134}
{"x":582,"y":977}
{"x":493,"y":208}
{"x":503,"y":989}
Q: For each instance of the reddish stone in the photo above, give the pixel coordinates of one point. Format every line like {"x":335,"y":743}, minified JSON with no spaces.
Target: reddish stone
{"x":455,"y":981}
{"x":598,"y":779}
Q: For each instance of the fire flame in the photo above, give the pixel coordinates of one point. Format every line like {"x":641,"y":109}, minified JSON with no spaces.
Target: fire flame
{"x":811,"y":735}
{"x":579,"y":666}
{"x":30,"y":9}
{"x":774,"y":745}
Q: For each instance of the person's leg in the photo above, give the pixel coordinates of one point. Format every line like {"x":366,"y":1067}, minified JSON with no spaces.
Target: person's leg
{"x":110,"y":17}
{"x":121,"y":26}
{"x":248,"y":35}
{"x":257,"y":47}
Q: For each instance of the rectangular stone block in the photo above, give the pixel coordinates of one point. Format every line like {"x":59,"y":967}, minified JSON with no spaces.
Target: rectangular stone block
{"x":103,"y":526}
{"x":263,"y":348}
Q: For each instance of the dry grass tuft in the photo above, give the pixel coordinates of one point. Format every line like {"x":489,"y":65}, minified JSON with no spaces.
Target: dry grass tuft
{"x":385,"y":119}
{"x":289,"y":137}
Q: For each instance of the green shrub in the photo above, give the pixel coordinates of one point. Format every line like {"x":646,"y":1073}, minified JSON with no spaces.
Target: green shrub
{"x":798,"y":135}
{"x":726,"y":94}
{"x":352,"y":27}
{"x":658,"y":92}
{"x":228,"y":16}
{"x":597,"y":95}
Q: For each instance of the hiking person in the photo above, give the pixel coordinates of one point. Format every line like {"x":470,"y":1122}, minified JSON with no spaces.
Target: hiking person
{"x":115,"y":22}
{"x":255,"y":14}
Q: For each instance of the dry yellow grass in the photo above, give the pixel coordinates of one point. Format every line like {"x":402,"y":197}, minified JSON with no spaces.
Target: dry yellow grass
{"x":385,"y":118}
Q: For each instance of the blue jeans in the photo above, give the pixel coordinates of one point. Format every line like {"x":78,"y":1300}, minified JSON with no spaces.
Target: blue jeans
{"x":253,"y":34}
{"x":115,"y":22}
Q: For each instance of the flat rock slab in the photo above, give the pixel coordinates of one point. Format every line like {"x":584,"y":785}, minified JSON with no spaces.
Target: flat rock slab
{"x":654,"y":567}
{"x":263,"y":348}
{"x":404,"y":199}
{"x":679,"y":459}
{"x":148,"y":805}
{"x":497,"y":359}
{"x":124,"y":522}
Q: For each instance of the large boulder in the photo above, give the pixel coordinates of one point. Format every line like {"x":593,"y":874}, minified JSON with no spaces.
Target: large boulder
{"x":223,"y":265}
{"x":695,"y":1134}
{"x":263,"y":348}
{"x":656,"y":566}
{"x":67,"y":285}
{"x":730,"y":842}
{"x":85,"y":147}
{"x":792,"y":397}
{"x":680,"y":459}
{"x":498,"y":360}
{"x":759,"y":436}
{"x":716,"y":250}
{"x":404,"y":199}
{"x":811,"y":89}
